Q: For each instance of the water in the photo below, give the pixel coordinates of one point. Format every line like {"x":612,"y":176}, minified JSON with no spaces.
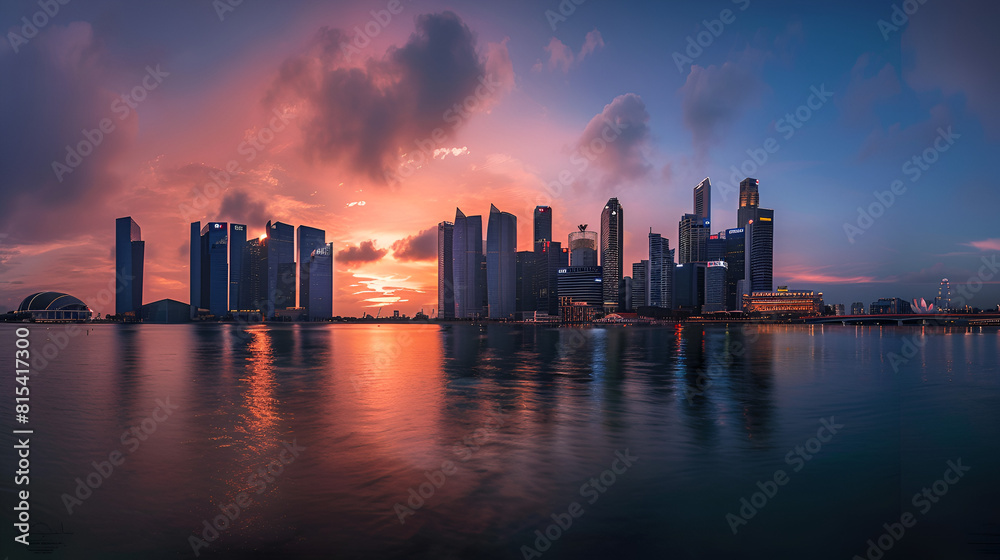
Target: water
{"x":526,"y":416}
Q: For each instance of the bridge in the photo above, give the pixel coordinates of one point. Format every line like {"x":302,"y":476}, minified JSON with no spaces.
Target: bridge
{"x":929,"y":319}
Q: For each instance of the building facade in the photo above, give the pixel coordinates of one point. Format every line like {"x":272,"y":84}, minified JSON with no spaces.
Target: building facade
{"x":501,"y":262}
{"x":446,"y":270}
{"x":467,"y":265}
{"x":612,"y":252}
{"x":130,"y":251}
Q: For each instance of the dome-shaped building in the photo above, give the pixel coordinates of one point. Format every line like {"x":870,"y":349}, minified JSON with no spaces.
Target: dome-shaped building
{"x":54,"y":306}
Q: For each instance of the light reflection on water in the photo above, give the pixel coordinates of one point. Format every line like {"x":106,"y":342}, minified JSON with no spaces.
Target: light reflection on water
{"x":526,"y":415}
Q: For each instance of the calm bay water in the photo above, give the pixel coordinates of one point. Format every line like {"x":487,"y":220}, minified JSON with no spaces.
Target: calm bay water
{"x":526,"y":416}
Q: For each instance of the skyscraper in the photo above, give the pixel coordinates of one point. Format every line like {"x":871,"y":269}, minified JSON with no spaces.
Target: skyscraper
{"x":612,"y":247}
{"x":549,"y":258}
{"x":194,"y":268}
{"x":689,"y":285}
{"x":749,"y":199}
{"x":214,"y":282}
{"x":279,"y":248}
{"x":715,"y":287}
{"x":446,"y":267}
{"x":735,"y":266}
{"x":467,"y":256}
{"x":253,"y":269}
{"x":760,"y":233}
{"x":526,"y":290}
{"x":543,"y":224}
{"x":715,"y":247}
{"x":237,"y":243}
{"x":319,"y":305}
{"x":640,"y":271}
{"x":693,"y":232}
{"x":660,"y":279}
{"x":129,"y":256}
{"x":583,"y":247}
{"x":309,"y":239}
{"x":943,"y":300}
{"x":760,"y":236}
{"x":501,"y":262}
{"x":703,"y":199}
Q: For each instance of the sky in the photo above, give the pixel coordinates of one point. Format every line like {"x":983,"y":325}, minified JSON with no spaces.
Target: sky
{"x":872,"y":132}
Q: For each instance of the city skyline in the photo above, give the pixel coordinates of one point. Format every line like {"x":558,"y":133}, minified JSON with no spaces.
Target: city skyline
{"x":217,"y":139}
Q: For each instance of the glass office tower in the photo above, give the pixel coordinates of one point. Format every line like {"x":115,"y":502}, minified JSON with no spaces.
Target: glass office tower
{"x":279,"y":248}
{"x":309,"y":239}
{"x":501,"y":263}
{"x":129,"y":255}
{"x":612,"y":247}
{"x":237,"y":242}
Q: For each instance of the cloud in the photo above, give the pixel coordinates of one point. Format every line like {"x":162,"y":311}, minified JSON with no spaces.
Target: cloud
{"x":419,"y":247}
{"x":561,"y":57}
{"x":626,"y":122}
{"x":237,"y":206}
{"x":366,"y":117}
{"x":364,"y":252}
{"x":713,"y":98}
{"x":55,"y":88}
{"x":985,"y":245}
{"x":869,"y":87}
{"x":947,"y":50}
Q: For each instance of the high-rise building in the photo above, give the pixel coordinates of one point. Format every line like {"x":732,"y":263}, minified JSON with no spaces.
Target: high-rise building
{"x":309,"y":239}
{"x":749,"y":200}
{"x":583,"y":284}
{"x":693,"y":232}
{"x":703,"y":199}
{"x":736,"y":266}
{"x":279,"y":248}
{"x":543,"y":224}
{"x":501,"y":262}
{"x":612,"y":249}
{"x":715,"y":287}
{"x":857,"y":308}
{"x":467,"y":260}
{"x":640,"y":271}
{"x":583,"y":247}
{"x":760,"y":238}
{"x":943,"y":300}
{"x":253,"y":275}
{"x":526,"y":289}
{"x":212,"y":252}
{"x":627,"y":282}
{"x":689,"y":286}
{"x":715,"y":247}
{"x":660,"y":280}
{"x":446,"y":268}
{"x":319,"y":305}
{"x":194,"y":268}
{"x":237,"y":242}
{"x":890,"y":306}
{"x":549,"y":258}
{"x":130,"y":252}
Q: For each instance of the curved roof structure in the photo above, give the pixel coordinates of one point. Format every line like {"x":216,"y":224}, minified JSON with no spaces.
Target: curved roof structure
{"x":51,"y":301}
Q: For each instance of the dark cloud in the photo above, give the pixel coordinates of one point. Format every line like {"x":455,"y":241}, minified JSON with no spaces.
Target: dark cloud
{"x":947,"y":50}
{"x":237,"y":206}
{"x":715,"y":97}
{"x":366,"y":116}
{"x":419,"y":247}
{"x":616,"y":138}
{"x":53,"y":89}
{"x":364,"y":252}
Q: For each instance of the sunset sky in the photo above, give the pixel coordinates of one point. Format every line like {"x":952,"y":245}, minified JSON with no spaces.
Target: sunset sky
{"x":291,"y":111}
